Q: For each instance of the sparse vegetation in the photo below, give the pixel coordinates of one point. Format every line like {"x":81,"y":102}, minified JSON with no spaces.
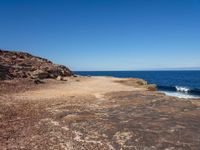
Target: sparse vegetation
{"x":152,"y":87}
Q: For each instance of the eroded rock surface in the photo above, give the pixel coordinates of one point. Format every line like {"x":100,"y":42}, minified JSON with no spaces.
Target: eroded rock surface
{"x":23,"y":65}
{"x":97,"y":113}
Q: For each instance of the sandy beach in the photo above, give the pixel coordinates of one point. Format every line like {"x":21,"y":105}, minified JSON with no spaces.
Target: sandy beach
{"x":95,"y":113}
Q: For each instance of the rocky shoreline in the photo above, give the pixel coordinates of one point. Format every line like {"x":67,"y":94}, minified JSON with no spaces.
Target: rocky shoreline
{"x":16,"y":65}
{"x":97,"y":113}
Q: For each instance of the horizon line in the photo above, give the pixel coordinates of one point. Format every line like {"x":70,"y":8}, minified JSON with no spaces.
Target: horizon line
{"x":138,"y":70}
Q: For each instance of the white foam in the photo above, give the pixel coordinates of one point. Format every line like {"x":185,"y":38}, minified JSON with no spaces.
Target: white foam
{"x":182,"y":89}
{"x":180,"y":95}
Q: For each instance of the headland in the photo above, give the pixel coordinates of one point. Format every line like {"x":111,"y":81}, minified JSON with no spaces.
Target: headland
{"x":64,"y":111}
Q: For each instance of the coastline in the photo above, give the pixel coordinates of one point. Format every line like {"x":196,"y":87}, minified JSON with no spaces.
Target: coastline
{"x":95,"y":112}
{"x":173,"y":83}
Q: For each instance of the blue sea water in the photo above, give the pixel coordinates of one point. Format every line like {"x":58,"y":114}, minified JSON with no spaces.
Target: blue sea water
{"x":183,"y":84}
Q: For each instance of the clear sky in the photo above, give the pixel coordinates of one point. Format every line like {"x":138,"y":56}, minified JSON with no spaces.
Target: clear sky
{"x":105,"y":34}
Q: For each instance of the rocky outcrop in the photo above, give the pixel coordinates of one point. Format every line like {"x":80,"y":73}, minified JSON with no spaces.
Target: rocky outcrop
{"x":24,"y":65}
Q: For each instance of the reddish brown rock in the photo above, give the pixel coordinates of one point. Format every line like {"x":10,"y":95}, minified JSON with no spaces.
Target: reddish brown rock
{"x":23,"y":65}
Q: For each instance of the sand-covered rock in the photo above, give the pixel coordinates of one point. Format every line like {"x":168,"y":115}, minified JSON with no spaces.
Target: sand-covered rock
{"x":24,"y":65}
{"x":95,"y":113}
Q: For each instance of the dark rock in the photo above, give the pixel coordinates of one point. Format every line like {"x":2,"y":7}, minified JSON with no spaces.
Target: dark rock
{"x":37,"y":81}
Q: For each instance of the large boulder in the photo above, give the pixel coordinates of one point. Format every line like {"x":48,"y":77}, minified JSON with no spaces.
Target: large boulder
{"x":23,"y":65}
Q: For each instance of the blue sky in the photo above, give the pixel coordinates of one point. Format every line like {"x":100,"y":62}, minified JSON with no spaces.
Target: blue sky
{"x":105,"y":34}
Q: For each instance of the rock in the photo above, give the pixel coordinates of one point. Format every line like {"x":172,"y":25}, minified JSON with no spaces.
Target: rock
{"x":37,"y":81}
{"x":23,"y":65}
{"x":141,"y":82}
{"x":75,"y":76}
{"x":4,"y":73}
{"x":59,"y":78}
{"x":64,"y":78}
{"x":152,"y":87}
{"x":39,"y":74}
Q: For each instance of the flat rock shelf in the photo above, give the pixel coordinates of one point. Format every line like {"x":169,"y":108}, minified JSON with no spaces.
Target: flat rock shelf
{"x":99,"y":113}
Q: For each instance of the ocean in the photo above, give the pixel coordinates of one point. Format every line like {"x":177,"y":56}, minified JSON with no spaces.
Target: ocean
{"x":183,"y":84}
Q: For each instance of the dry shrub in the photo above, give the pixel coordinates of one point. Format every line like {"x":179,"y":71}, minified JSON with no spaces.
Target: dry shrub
{"x":141,"y":82}
{"x":152,"y":87}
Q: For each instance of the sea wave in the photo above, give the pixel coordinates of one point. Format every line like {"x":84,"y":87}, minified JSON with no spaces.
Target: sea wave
{"x":180,"y":95}
{"x":180,"y":91}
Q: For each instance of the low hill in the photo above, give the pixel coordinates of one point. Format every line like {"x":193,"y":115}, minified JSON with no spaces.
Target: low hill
{"x":15,"y":65}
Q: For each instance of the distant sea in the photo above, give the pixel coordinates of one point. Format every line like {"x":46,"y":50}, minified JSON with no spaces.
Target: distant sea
{"x":183,"y":84}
